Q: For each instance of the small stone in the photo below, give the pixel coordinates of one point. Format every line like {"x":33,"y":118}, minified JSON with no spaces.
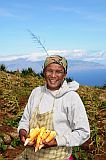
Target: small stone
{"x":7,"y":139}
{"x":1,"y":141}
{"x":14,"y":135}
{"x":10,"y":147}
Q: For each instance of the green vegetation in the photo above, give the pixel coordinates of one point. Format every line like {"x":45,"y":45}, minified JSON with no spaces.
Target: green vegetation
{"x":26,"y":72}
{"x":15,"y":88}
{"x":15,"y":142}
{"x":3,"y":147}
{"x":2,"y":67}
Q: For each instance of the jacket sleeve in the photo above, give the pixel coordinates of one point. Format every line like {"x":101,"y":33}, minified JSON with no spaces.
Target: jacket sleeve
{"x":79,"y":131}
{"x":25,"y":119}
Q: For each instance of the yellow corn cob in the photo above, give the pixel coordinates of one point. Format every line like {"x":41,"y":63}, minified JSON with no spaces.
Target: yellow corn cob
{"x":37,"y":143}
{"x":40,"y":135}
{"x":51,"y":136}
{"x":32,"y":135}
{"x":44,"y":136}
{"x":39,"y":138}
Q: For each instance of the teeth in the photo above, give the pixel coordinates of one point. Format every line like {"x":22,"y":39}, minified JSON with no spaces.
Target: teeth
{"x":52,"y":80}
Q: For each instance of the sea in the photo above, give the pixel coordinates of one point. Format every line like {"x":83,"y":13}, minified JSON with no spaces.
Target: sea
{"x":90,"y":77}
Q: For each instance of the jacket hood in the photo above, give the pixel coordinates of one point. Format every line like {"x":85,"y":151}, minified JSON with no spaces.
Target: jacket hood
{"x":65,"y":88}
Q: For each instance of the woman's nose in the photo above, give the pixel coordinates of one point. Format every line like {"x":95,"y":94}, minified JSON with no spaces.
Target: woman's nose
{"x":53,"y":74}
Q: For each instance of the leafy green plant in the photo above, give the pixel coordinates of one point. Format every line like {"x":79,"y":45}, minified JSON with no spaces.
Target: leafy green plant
{"x":79,"y":154}
{"x":95,"y":137}
{"x":28,"y":71}
{"x":12,"y":122}
{"x":15,"y":142}
{"x":3,"y":147}
{"x":26,"y":83}
{"x":103,"y":105}
{"x":2,"y":67}
{"x":75,"y":153}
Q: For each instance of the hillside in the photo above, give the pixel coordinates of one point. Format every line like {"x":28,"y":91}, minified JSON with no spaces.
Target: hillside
{"x":77,"y":69}
{"x":14,"y":92}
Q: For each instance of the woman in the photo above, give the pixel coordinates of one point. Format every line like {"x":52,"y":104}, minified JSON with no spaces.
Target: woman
{"x":58,"y":107}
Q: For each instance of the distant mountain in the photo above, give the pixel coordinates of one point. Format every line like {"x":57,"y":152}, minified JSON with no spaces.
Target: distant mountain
{"x":85,"y":72}
{"x":79,"y":65}
{"x":73,"y":65}
{"x":22,"y":63}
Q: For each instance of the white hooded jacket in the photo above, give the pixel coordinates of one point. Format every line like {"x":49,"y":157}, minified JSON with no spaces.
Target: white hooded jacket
{"x":69,"y":118}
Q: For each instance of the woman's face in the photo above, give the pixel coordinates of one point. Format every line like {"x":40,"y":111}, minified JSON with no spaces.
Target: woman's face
{"x":54,"y":75}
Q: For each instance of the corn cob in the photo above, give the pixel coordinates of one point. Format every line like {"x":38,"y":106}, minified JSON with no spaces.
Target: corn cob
{"x":40,"y":134}
{"x":39,"y":138}
{"x":44,"y":136}
{"x":51,"y":136}
{"x":32,"y":135}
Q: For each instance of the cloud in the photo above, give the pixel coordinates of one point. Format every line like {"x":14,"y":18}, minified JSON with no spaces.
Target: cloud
{"x":80,"y":54}
{"x":98,"y":56}
{"x":76,"y":54}
{"x":52,"y":52}
{"x":12,"y":57}
{"x":30,"y":57}
{"x":73,"y":53}
{"x":36,"y":57}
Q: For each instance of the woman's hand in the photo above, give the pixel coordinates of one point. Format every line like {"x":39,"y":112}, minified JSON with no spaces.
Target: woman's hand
{"x":31,"y":143}
{"x":52,"y":143}
{"x":22,"y":135}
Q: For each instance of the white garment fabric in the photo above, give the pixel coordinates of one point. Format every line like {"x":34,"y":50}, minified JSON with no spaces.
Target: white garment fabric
{"x":69,"y":119}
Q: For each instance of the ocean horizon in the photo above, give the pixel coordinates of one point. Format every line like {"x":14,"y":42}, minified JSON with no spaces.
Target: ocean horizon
{"x":92,"y":77}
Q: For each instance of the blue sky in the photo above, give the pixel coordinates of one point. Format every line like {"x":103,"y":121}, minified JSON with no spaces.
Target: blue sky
{"x":75,"y":28}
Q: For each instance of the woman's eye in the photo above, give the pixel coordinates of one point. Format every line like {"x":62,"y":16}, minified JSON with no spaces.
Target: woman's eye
{"x":50,"y":71}
{"x":56,"y":72}
{"x":59,"y":72}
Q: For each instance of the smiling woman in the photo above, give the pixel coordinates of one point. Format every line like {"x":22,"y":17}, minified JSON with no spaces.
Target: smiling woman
{"x":57,"y":107}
